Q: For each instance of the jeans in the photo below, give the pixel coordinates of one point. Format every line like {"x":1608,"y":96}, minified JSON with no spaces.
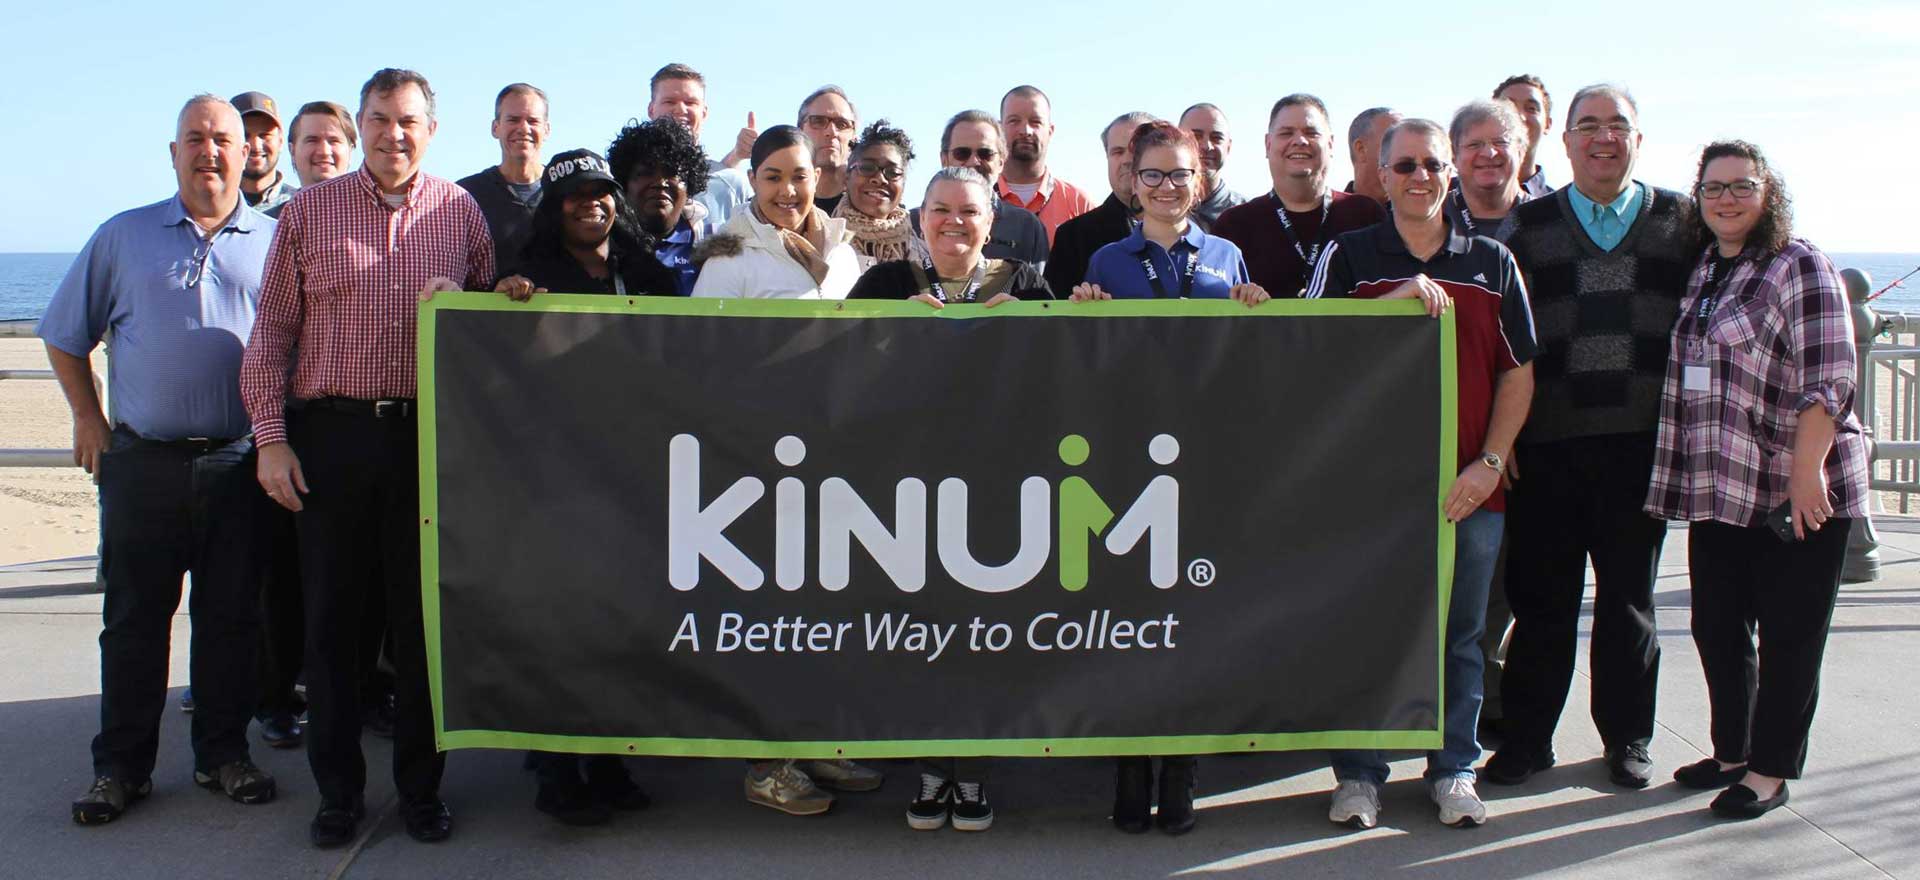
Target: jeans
{"x":1476,"y":545}
{"x":169,"y":509}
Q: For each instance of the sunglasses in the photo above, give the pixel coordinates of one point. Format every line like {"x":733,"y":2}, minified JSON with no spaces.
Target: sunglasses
{"x":818,"y":120}
{"x":966,"y":154}
{"x":1408,"y":166}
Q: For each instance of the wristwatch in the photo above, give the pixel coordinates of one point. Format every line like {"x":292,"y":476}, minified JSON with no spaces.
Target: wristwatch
{"x":1493,"y":460}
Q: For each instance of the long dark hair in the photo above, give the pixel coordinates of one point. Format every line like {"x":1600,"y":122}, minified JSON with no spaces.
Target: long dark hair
{"x":1775,"y":227}
{"x":626,"y":240}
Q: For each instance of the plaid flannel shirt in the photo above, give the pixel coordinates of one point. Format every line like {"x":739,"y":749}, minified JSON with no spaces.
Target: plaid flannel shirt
{"x":1778,"y":341}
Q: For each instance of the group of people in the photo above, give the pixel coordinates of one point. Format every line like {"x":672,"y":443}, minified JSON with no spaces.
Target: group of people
{"x":1628,"y":355}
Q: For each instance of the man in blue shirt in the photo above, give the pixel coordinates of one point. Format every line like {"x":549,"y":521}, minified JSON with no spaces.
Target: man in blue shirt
{"x":176,"y":283}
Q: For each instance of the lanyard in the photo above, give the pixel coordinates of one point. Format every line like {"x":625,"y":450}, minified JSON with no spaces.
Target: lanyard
{"x":1186,"y":281}
{"x":973,"y":285}
{"x":613,"y":268}
{"x":1710,"y":294}
{"x":1309,"y":257}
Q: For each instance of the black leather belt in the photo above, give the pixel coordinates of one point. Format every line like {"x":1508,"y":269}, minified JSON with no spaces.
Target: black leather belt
{"x":389,"y":408}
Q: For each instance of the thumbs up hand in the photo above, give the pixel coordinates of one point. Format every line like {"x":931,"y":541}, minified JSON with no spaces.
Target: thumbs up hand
{"x":743,"y":143}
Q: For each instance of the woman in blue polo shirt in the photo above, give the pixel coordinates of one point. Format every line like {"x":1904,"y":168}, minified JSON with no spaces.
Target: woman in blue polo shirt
{"x":1168,"y":256}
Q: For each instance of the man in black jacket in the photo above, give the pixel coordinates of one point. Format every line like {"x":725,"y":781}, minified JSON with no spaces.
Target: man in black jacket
{"x":508,"y":192}
{"x":1076,"y":240}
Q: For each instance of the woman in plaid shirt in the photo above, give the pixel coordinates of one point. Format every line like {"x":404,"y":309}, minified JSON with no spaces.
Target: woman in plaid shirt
{"x":1759,"y":449}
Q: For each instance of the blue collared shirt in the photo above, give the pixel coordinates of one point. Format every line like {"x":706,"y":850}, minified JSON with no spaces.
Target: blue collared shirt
{"x":1217,"y":266}
{"x":676,"y":253}
{"x":1607,"y":224}
{"x":727,"y":192}
{"x":176,"y":347}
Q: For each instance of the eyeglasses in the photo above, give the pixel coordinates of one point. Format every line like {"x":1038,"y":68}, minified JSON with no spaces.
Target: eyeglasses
{"x":1741,"y":189}
{"x":1153,"y":177}
{"x":821,"y":120}
{"x":1593,"y":129}
{"x":198,"y":268}
{"x":869,"y":168}
{"x":966,"y":154}
{"x":1408,"y":166}
{"x":1501,"y":144}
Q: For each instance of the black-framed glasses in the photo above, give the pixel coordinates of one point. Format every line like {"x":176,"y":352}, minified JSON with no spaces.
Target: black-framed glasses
{"x":966,"y":154}
{"x":198,"y":268}
{"x":1153,"y":177}
{"x":821,"y":120}
{"x":1408,"y":166}
{"x":1741,"y":189}
{"x":888,"y":172}
{"x":1616,"y":128}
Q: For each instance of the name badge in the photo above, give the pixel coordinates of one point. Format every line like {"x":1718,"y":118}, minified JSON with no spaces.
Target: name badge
{"x":1694,"y":377}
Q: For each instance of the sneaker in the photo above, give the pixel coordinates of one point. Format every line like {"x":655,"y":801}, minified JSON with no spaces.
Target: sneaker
{"x":842,"y":775}
{"x":186,"y":700}
{"x":1356,"y":804}
{"x":1460,"y":805}
{"x":970,"y":810}
{"x":788,"y":790}
{"x":1630,"y":766}
{"x":107,"y":798}
{"x":929,"y":810}
{"x":239,"y":780}
{"x":281,"y":731}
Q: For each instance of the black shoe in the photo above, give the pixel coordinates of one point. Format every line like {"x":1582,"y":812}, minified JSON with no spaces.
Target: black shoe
{"x":571,"y":804}
{"x":377,"y":717}
{"x":281,"y":731}
{"x":1630,"y":766}
{"x":1133,"y":795}
{"x":239,"y":780}
{"x":1177,"y":782}
{"x":428,"y":821}
{"x":1515,"y":764}
{"x":107,"y":798}
{"x":609,"y":783}
{"x":1706,"y":775}
{"x":1741,"y":802}
{"x":336,"y":824}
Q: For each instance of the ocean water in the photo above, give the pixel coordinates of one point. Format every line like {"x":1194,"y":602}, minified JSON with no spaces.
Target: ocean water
{"x":27,"y":280}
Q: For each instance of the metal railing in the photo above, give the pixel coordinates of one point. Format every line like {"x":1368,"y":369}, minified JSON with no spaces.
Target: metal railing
{"x":49,"y":458}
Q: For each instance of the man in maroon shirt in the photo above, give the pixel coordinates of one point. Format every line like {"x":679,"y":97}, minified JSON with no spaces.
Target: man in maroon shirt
{"x":1285,"y":232}
{"x":328,"y":383}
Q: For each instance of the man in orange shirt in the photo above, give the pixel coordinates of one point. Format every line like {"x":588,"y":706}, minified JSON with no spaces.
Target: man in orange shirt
{"x":1026,"y":120}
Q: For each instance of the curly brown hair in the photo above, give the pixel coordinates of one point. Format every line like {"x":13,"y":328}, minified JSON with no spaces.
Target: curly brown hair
{"x":1775,"y":227}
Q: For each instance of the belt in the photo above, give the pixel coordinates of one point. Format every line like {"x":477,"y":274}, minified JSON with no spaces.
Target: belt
{"x":198,"y":445}
{"x":387,"y":408}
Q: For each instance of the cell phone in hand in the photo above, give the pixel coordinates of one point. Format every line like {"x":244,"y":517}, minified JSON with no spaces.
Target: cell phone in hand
{"x":1780,"y":520}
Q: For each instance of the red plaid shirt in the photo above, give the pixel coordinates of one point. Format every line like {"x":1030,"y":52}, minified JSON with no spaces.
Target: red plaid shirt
{"x":1779,"y":341}
{"x":343,"y":279}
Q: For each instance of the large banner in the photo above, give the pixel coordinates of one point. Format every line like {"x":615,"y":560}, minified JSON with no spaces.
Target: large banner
{"x":869,"y":529}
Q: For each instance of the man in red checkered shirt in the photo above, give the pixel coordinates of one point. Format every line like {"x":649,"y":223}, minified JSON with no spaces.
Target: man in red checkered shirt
{"x":328,"y":382}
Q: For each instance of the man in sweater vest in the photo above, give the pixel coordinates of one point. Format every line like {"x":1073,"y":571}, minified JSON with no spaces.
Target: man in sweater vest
{"x":1606,"y":261}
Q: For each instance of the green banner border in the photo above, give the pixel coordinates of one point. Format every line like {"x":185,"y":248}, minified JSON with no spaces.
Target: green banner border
{"x":446,"y":740}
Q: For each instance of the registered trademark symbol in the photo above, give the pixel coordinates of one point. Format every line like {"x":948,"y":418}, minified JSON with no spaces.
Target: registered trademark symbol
{"x":1200,"y":572}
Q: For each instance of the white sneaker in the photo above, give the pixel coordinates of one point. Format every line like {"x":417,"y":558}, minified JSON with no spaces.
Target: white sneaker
{"x":1460,"y":805}
{"x":787,"y":789}
{"x":1356,"y":804}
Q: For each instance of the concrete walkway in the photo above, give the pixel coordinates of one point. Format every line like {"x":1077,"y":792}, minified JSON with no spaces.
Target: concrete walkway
{"x":1857,"y":814}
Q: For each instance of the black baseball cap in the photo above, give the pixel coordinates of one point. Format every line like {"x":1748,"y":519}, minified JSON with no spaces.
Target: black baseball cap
{"x":573,"y":169}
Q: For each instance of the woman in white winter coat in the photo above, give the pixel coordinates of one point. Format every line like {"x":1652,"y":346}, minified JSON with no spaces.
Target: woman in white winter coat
{"x":781,"y":247}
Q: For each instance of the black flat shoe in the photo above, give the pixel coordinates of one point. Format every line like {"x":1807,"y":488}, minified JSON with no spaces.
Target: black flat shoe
{"x":1177,"y":782}
{"x":1515,"y":764}
{"x":1133,"y":795}
{"x":1741,"y":802}
{"x":335,"y":824}
{"x":1706,"y":775}
{"x":571,"y":804}
{"x":428,"y":821}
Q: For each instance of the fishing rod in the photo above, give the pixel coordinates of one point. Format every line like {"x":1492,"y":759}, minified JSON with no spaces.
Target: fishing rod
{"x":1896,"y":283}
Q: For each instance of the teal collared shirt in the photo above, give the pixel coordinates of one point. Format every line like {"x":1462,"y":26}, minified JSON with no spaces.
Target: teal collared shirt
{"x":1607,"y":224}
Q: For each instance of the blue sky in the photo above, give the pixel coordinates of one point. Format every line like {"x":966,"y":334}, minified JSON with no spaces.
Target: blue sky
{"x":1819,"y":86}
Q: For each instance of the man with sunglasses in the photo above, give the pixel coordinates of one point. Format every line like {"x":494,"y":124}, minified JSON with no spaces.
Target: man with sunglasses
{"x":1607,"y":260}
{"x":1285,"y":233}
{"x":972,"y":139}
{"x":176,"y":283}
{"x":1494,"y":345}
{"x":829,"y":120}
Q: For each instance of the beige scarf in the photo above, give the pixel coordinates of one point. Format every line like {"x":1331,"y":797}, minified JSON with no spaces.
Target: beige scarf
{"x":883,"y":240}
{"x":806,"y":245}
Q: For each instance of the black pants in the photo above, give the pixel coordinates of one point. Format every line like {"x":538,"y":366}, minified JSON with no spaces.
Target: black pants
{"x":359,"y":544}
{"x":168,"y":510}
{"x":1579,"y":499}
{"x":1493,"y":640}
{"x":283,"y":633}
{"x":1743,"y":578}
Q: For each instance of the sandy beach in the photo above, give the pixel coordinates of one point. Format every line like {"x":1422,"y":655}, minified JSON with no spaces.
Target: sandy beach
{"x":45,"y":513}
